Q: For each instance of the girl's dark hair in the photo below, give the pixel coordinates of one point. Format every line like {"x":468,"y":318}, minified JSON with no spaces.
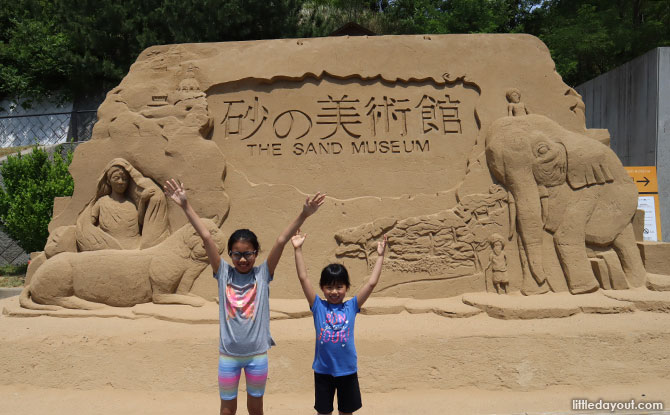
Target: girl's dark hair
{"x":334,"y":274}
{"x":243,"y":235}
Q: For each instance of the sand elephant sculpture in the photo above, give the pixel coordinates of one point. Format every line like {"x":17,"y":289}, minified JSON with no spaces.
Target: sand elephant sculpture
{"x":163,"y":274}
{"x":571,"y":186}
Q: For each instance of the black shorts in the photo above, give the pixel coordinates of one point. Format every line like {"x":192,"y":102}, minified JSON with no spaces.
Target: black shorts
{"x":348,"y":393}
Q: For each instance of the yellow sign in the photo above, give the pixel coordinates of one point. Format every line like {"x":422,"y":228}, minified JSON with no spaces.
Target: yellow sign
{"x":644,"y":177}
{"x":647,"y":187}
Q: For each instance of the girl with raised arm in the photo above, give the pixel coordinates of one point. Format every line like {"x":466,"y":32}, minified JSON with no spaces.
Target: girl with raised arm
{"x":335,"y":362}
{"x":244,"y":311}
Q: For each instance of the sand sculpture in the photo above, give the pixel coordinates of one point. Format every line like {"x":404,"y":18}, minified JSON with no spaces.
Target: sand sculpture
{"x":431,"y":144}
{"x":162,"y":274}
{"x":515,"y":108}
{"x":128,"y":211}
{"x":571,"y":186}
{"x":498,"y":263}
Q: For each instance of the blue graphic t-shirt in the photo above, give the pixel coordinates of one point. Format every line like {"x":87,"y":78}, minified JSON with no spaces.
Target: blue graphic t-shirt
{"x":335,"y":352}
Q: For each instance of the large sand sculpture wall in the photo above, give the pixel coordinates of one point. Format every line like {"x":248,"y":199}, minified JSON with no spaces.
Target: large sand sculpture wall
{"x":397,"y":130}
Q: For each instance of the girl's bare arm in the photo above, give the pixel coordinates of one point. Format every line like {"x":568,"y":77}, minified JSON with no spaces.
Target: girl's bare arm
{"x":369,"y":286}
{"x":176,"y":192}
{"x":309,"y":208}
{"x":297,"y":241}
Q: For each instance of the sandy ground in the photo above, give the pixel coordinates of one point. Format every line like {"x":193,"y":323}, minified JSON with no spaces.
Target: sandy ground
{"x":423,"y":363}
{"x":27,"y":400}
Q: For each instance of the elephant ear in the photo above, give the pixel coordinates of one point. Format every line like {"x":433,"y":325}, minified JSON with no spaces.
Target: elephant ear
{"x":587,"y":161}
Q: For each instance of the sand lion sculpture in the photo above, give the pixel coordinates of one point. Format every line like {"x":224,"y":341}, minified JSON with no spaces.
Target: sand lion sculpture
{"x":162,"y":274}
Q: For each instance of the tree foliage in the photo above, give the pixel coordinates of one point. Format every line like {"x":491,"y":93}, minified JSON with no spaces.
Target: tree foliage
{"x":83,"y":46}
{"x":77,"y":47}
{"x":587,"y":38}
{"x":34,"y":54}
{"x":30,"y":183}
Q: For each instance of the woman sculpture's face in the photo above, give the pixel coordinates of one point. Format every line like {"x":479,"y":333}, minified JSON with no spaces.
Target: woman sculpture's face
{"x":118,"y":179}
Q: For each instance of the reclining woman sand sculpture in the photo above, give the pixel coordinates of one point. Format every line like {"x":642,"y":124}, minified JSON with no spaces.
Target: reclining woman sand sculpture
{"x":128,"y":211}
{"x":163,"y":274}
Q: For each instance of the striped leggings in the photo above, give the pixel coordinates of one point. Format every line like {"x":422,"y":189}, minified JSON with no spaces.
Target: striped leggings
{"x":230,"y":371}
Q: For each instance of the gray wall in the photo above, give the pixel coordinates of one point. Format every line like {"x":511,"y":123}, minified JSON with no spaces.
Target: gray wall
{"x":663,"y":143}
{"x":633,"y":103}
{"x":10,"y":252}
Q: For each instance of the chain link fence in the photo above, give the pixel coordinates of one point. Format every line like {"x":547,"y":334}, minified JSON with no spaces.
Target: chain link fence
{"x":46,"y":129}
{"x":25,"y":123}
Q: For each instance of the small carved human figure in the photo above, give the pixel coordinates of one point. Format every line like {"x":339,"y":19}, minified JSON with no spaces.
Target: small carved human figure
{"x":498,"y":263}
{"x":515,"y":108}
{"x":129,"y":211}
{"x":187,"y":109}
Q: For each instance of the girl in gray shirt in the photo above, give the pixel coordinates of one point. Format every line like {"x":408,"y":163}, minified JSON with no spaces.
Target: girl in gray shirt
{"x":244,"y":312}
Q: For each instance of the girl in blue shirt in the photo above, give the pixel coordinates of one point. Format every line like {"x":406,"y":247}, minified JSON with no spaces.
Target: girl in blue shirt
{"x":335,"y":360}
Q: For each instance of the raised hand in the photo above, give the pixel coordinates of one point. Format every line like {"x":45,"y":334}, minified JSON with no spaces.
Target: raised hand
{"x":176,"y":192}
{"x":311,"y":206}
{"x":381,"y":245}
{"x":298,"y":239}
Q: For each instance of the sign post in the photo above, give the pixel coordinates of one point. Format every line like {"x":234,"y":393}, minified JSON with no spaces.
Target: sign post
{"x":647,"y":187}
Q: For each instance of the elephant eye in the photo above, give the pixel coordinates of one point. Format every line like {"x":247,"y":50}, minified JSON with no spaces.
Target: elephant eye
{"x":542,"y":149}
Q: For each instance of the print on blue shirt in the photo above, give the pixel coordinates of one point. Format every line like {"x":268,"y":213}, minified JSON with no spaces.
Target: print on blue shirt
{"x":335,"y":328}
{"x":335,"y":349}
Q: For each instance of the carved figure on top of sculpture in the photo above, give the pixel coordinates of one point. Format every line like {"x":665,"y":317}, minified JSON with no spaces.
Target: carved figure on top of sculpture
{"x":128,"y":211}
{"x":498,"y":263}
{"x":186,"y":107}
{"x":515,"y":108}
{"x":571,"y":186}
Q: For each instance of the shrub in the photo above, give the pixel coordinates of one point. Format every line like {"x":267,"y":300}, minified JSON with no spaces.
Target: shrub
{"x":31,"y":182}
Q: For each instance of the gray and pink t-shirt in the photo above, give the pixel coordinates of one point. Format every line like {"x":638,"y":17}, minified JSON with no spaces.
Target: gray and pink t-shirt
{"x":244,"y":310}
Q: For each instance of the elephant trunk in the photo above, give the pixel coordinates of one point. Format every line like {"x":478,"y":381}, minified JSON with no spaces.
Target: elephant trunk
{"x":523,"y":187}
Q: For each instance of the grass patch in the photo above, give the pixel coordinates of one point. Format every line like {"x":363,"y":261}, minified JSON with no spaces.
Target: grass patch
{"x":12,"y":150}
{"x":12,"y":281}
{"x":13,"y":270}
{"x":13,"y":275}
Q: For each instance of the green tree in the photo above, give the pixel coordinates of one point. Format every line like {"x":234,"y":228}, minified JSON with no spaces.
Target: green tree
{"x":34,"y":53}
{"x":31,"y":182}
{"x":77,"y":47}
{"x":587,"y":38}
{"x":459,"y":16}
{"x":322,"y":17}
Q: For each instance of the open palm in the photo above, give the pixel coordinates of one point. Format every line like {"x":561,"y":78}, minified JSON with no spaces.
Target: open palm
{"x":311,"y":206}
{"x":176,"y":192}
{"x":298,"y":239}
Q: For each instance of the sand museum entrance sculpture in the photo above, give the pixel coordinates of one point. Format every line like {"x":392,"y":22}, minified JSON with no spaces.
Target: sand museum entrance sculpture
{"x":469,"y":151}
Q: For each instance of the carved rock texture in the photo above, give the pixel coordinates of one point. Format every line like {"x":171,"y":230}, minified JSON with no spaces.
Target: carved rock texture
{"x":122,"y":278}
{"x":394,"y":129}
{"x":575,"y":188}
